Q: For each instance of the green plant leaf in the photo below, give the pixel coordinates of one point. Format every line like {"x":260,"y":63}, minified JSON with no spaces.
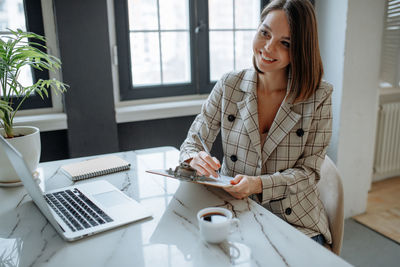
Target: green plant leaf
{"x":19,"y":49}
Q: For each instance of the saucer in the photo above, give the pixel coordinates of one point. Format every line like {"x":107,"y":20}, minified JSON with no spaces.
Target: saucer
{"x":10,"y":184}
{"x":19,"y":183}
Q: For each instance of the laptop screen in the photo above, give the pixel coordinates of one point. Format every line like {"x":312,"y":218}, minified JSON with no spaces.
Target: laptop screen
{"x":20,"y":167}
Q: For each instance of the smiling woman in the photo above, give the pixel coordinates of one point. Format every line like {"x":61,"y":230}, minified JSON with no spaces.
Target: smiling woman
{"x":299,"y":39}
{"x":272,"y":43}
{"x":275,"y":121}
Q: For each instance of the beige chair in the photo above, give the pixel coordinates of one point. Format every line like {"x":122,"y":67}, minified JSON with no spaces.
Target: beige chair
{"x":331,"y":194}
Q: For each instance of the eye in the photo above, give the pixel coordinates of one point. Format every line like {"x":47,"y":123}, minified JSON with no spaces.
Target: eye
{"x":264,"y":33}
{"x":286,"y":44}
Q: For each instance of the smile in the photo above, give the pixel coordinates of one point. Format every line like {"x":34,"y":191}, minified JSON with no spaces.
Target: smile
{"x":267,"y":58}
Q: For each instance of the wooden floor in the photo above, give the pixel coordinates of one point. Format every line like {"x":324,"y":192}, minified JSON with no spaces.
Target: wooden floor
{"x":383,"y":209}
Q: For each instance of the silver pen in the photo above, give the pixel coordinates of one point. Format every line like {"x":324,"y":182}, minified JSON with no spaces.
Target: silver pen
{"x":206,"y":149}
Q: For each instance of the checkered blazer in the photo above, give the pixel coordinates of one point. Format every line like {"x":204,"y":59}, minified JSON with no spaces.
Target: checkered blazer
{"x":292,"y":154}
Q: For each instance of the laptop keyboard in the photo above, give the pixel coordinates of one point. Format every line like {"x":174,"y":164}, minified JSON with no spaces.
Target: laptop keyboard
{"x":76,"y":210}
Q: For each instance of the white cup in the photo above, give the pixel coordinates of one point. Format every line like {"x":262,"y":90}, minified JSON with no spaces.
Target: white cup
{"x":216,"y":224}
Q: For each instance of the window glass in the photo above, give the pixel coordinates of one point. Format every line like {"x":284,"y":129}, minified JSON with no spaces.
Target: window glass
{"x":243,"y":49}
{"x":160,"y":42}
{"x":390,"y":59}
{"x":145,"y":55}
{"x":247,"y":14}
{"x":180,"y":19}
{"x":232,"y":25}
{"x":143,"y":14}
{"x":175,"y":57}
{"x":221,"y":53}
{"x":12,"y":17}
{"x":220,"y":14}
{"x":182,"y":47}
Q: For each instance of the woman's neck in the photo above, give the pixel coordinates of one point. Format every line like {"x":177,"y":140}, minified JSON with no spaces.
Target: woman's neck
{"x":272,"y":81}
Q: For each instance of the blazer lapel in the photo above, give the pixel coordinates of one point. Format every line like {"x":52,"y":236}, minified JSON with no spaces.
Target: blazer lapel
{"x":249,"y":113}
{"x":283,"y":123}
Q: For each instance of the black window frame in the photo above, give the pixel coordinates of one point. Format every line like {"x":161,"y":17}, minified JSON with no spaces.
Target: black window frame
{"x":200,"y":65}
{"x":34,"y":23}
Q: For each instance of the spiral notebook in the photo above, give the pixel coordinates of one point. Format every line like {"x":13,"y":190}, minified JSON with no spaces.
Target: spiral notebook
{"x":95,"y":167}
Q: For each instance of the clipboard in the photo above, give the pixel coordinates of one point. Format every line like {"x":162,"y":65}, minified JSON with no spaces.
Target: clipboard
{"x":185,"y":173}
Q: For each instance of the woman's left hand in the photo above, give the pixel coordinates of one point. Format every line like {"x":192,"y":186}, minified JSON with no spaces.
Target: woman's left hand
{"x":243,"y":186}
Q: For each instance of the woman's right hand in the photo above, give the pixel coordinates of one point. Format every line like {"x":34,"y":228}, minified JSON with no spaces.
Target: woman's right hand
{"x":205,"y":165}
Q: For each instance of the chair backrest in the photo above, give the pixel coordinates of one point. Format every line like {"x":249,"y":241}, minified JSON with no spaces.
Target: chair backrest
{"x":331,"y":193}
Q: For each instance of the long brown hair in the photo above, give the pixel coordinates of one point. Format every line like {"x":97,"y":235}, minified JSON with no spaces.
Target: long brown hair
{"x":305,"y":60}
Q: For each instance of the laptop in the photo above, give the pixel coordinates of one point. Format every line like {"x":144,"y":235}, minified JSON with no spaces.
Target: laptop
{"x":80,"y":210}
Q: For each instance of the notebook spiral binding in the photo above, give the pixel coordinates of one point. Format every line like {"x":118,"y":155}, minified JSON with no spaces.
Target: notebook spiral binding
{"x":101,"y":172}
{"x":95,"y":167}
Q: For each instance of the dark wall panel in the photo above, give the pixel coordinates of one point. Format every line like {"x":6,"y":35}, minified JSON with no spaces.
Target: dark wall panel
{"x":154,"y":133}
{"x":132,"y":136}
{"x":54,"y":145}
{"x":85,"y":53}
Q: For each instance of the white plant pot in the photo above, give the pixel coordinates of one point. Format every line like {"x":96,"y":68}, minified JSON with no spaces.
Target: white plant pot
{"x":28,"y":145}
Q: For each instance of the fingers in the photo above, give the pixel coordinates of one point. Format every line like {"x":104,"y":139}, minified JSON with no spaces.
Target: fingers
{"x":211,"y":161}
{"x":211,"y":164}
{"x":237,"y":179}
{"x":241,"y":187}
{"x":201,"y":171}
{"x":234,"y":192}
{"x":217,"y":162}
{"x":205,"y":165}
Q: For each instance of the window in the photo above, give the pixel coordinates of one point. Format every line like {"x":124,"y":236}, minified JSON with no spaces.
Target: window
{"x":232,"y":25}
{"x":25,"y":15}
{"x":390,"y":65}
{"x":181,"y":47}
{"x":159,"y":43}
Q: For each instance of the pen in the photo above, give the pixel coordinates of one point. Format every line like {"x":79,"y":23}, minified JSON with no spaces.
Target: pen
{"x":206,"y":149}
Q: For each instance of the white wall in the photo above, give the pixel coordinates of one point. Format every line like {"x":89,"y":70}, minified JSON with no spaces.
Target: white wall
{"x":332,"y":18}
{"x":352,"y":65}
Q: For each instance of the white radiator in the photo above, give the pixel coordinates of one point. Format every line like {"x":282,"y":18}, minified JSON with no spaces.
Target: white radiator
{"x":387,"y":150}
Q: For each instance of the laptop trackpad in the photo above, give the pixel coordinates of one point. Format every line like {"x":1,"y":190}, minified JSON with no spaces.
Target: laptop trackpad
{"x":111,"y":198}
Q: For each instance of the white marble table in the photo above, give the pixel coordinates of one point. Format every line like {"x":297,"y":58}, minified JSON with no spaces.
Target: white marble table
{"x":169,"y":238}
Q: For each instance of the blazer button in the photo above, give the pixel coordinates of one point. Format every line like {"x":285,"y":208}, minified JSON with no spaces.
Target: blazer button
{"x":288,"y":211}
{"x":231,"y":118}
{"x":300,"y":132}
{"x":234,"y":158}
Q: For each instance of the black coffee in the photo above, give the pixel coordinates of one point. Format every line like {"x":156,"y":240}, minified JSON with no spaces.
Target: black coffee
{"x":214,"y":217}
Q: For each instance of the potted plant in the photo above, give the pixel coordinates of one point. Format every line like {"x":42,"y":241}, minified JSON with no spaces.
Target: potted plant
{"x":18,"y":50}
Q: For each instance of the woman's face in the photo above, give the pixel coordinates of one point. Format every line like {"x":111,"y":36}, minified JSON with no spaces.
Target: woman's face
{"x":271,"y":44}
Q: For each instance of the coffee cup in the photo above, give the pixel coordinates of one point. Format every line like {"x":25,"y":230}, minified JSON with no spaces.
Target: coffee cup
{"x":216,"y":224}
